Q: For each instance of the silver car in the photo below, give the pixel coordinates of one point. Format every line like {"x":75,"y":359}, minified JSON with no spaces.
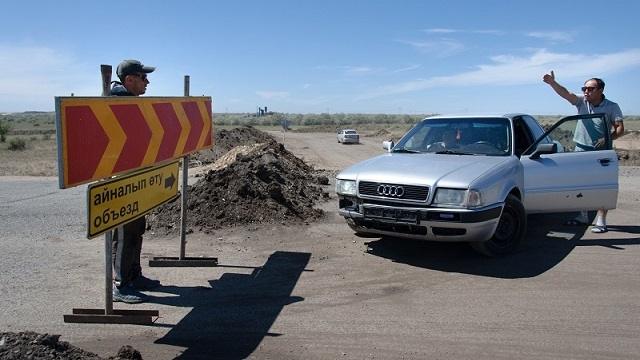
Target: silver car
{"x":475,"y":179}
{"x":348,"y":136}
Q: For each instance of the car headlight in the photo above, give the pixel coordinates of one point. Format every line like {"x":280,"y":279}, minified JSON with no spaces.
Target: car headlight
{"x":457,"y":198}
{"x":345,"y":187}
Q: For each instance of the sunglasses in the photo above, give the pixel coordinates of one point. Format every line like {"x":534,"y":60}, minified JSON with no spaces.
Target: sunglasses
{"x":141,"y":76}
{"x":590,"y":88}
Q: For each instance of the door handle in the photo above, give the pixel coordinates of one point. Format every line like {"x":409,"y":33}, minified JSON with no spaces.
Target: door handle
{"x":604,"y":162}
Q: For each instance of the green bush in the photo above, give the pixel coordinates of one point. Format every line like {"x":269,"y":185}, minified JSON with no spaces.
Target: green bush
{"x":4,"y":129}
{"x":17,"y":144}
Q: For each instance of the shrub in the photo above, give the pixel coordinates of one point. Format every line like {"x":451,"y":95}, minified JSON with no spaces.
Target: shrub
{"x":17,"y":144}
{"x":4,"y":129}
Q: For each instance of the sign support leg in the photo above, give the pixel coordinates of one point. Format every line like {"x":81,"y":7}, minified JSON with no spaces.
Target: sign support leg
{"x":108,"y":278}
{"x":182,"y":260}
{"x":183,"y":208}
{"x":108,"y":315}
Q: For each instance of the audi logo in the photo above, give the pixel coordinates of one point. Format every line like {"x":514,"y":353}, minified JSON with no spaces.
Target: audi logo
{"x":390,"y":190}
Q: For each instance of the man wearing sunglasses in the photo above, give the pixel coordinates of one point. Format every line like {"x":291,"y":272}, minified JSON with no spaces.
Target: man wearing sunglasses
{"x":591,"y":138}
{"x":128,"y":278}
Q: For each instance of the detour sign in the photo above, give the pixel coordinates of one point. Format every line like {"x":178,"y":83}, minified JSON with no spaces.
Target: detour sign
{"x":103,"y":136}
{"x":122,"y":199}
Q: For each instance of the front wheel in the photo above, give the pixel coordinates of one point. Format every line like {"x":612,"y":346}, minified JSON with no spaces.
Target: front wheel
{"x":510,"y":232}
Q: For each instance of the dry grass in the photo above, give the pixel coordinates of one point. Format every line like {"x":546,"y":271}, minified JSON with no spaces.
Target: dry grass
{"x":40,"y":158}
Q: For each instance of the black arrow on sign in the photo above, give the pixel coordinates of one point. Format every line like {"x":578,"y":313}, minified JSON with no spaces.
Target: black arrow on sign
{"x":168,"y":182}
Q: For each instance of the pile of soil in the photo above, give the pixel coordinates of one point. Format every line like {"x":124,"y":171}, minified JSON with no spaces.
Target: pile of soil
{"x":384,"y":133}
{"x":225,"y":140}
{"x":31,"y":345}
{"x":260,"y":183}
{"x":628,"y":157}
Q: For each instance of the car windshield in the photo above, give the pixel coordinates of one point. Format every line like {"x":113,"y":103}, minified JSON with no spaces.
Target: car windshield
{"x":458,"y":136}
{"x":350,"y":132}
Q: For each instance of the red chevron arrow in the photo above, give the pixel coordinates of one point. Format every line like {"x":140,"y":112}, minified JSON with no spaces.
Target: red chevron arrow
{"x":208,"y":139}
{"x":172,"y":128}
{"x":138,"y":133}
{"x":195,"y":118}
{"x":82,"y":150}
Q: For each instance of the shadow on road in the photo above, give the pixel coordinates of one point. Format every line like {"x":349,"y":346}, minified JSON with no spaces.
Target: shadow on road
{"x":230,"y":318}
{"x":548,"y":242}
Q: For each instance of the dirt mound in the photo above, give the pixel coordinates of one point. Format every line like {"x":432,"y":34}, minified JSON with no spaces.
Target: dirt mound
{"x":226,"y":140}
{"x":380,"y":133}
{"x":263,"y":183}
{"x":628,"y":157}
{"x":31,"y":345}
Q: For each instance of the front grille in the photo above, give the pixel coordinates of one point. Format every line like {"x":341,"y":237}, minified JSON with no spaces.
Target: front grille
{"x":411,"y":192}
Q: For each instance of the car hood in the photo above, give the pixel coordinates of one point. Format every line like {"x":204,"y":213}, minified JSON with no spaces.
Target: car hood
{"x":443,"y":170}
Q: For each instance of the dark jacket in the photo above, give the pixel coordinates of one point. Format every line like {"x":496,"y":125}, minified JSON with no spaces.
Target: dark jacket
{"x":119,"y":90}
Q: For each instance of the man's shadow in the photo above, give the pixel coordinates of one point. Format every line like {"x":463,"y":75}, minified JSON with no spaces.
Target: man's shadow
{"x":548,"y":242}
{"x":230,"y":318}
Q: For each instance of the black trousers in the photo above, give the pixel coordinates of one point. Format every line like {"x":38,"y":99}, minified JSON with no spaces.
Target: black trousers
{"x":126,"y":252}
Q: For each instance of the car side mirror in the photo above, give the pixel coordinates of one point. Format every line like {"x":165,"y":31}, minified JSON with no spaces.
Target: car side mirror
{"x":544,"y":149}
{"x":388,"y":145}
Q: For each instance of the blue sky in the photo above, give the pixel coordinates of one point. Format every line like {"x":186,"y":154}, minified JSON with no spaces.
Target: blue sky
{"x":412,"y":57}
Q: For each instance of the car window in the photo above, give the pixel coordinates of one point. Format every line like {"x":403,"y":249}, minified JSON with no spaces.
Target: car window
{"x":522,"y":137}
{"x":475,"y":136}
{"x":579,"y":133}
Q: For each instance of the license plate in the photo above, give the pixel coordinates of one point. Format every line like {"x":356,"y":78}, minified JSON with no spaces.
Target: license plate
{"x":398,"y":215}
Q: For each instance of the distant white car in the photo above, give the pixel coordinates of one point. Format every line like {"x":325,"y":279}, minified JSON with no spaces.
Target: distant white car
{"x":348,"y":136}
{"x":475,"y":179}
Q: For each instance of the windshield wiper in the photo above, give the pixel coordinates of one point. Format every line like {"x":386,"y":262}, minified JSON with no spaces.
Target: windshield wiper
{"x":403,"y":150}
{"x":453,"y":152}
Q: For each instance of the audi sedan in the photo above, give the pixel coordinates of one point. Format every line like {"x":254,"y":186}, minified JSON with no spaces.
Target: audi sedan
{"x":348,"y":136}
{"x":475,"y":179}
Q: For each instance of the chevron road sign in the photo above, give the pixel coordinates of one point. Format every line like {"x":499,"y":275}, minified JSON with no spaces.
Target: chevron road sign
{"x":103,"y":136}
{"x":125,"y":198}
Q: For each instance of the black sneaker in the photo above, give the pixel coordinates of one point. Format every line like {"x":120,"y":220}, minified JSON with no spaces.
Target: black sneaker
{"x":127,"y":294}
{"x":144,"y":283}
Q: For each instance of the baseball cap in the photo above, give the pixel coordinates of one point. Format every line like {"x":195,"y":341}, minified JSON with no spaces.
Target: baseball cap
{"x":128,"y":67}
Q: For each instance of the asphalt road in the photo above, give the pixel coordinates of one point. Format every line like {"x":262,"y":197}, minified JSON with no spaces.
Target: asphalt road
{"x":318,"y":292}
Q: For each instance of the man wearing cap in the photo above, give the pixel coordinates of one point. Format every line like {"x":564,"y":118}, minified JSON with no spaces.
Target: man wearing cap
{"x":128,"y":279}
{"x":591,"y":137}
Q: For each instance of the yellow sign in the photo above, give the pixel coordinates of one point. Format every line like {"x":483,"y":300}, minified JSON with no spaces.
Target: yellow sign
{"x":123,"y":199}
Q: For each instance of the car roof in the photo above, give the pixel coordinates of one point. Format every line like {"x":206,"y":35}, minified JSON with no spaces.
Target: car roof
{"x":480,"y":116}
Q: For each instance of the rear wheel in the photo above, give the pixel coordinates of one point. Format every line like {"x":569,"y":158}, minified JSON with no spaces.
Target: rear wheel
{"x":510,"y":231}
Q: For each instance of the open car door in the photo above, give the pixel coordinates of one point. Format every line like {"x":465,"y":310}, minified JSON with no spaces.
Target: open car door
{"x":572,"y":167}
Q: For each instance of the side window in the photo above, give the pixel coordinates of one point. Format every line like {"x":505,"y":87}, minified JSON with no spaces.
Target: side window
{"x":534,"y":126}
{"x":584,"y":134}
{"x":522,"y":136}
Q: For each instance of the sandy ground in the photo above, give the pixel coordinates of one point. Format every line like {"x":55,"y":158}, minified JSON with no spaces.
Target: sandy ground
{"x":316,"y":291}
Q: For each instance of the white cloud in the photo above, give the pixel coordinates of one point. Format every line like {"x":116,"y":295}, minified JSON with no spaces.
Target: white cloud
{"x":451,"y":31}
{"x":408,"y":68}
{"x":554,"y":36}
{"x":33,"y":75}
{"x":438,"y":48}
{"x":514,"y":70}
{"x":269,"y":95}
{"x":440,"y":31}
{"x":359,"y":70}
